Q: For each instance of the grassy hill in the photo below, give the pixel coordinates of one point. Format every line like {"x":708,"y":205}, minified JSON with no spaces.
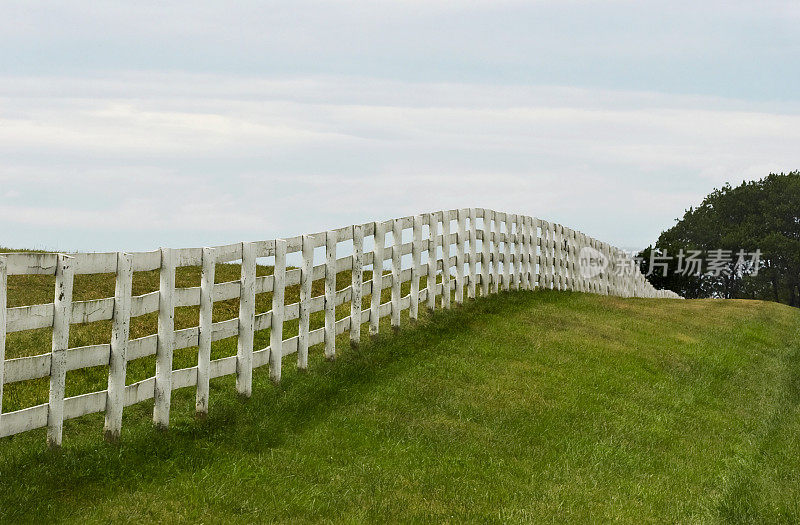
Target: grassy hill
{"x":526,"y":406}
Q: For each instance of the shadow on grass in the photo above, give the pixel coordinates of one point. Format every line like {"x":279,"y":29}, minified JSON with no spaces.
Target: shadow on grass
{"x":35,"y":481}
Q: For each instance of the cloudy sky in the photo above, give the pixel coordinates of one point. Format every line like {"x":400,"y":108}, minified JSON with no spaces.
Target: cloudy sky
{"x":133,"y":125}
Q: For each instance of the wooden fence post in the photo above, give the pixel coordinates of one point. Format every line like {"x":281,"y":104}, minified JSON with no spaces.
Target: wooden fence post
{"x":416,"y":268}
{"x":518,"y":243}
{"x":473,"y":255}
{"x":446,"y":259}
{"x":433,"y":256}
{"x":554,"y":276}
{"x":536,"y":246}
{"x":58,"y":360}
{"x":3,"y":305}
{"x":595,"y":280}
{"x":543,"y":255}
{"x":397,"y":246}
{"x":304,"y":314}
{"x":587,"y":282}
{"x":496,"y":264}
{"x":551,"y":258}
{"x":330,"y":294}
{"x":485,"y":253}
{"x":559,"y":257}
{"x":247,"y":304}
{"x":460,"y":245}
{"x":508,"y":266}
{"x":118,"y":359}
{"x":205,"y":331}
{"x":525,"y":258}
{"x":276,"y":326}
{"x":166,"y":340}
{"x":551,"y":250}
{"x":568,"y":258}
{"x":356,"y":285}
{"x":379,"y":238}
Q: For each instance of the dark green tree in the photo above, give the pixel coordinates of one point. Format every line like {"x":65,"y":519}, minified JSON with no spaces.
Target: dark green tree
{"x":758,"y":215}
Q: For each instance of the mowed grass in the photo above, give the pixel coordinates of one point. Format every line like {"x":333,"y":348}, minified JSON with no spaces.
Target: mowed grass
{"x":525,"y":406}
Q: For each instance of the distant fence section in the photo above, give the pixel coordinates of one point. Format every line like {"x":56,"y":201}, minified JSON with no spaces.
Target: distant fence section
{"x":446,"y":256}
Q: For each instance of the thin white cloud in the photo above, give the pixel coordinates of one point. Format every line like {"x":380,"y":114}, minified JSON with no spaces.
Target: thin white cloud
{"x":231,"y":158}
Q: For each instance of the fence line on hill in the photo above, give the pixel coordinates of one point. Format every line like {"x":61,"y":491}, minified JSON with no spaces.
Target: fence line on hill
{"x":524,"y":254}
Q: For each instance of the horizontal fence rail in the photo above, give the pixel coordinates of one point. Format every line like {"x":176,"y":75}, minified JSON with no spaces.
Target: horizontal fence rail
{"x":468,"y":252}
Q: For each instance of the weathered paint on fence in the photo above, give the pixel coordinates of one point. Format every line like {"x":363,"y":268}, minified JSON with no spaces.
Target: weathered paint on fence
{"x":534,"y":254}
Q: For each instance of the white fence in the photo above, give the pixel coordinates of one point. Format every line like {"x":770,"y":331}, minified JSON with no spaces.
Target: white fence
{"x":472,"y":251}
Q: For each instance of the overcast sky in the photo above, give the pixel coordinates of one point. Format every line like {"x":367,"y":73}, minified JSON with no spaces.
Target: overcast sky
{"x":133,"y":125}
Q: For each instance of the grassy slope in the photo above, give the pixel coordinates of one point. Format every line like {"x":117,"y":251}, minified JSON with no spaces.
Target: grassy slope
{"x":528,"y":406}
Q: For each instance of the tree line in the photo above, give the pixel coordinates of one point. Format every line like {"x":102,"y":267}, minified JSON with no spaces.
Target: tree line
{"x":740,"y":242}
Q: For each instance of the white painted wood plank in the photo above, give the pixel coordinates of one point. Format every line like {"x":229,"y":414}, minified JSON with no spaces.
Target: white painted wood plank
{"x":433,"y":235}
{"x":263,"y":284}
{"x":551,"y":255}
{"x":92,"y":310}
{"x":524,"y":250}
{"x":519,"y":240}
{"x":184,"y":377}
{"x":446,"y":244}
{"x":187,"y":256}
{"x":84,"y":404}
{"x":304,"y":308}
{"x":317,"y":336}
{"x":144,"y":304}
{"x":29,"y":317}
{"x":357,"y":281}
{"x":247,"y":304}
{"x":142,"y":347}
{"x":118,"y":358}
{"x":573,"y":269}
{"x":205,"y":331}
{"x":485,"y":235}
{"x":58,"y":355}
{"x":558,"y":258}
{"x":461,"y":242}
{"x":536,"y":242}
{"x":89,"y":263}
{"x":23,"y":420}
{"x":146,"y":261}
{"x":527,"y":257}
{"x":330,"y":294}
{"x":166,"y":340}
{"x":36,"y":316}
{"x":496,"y":263}
{"x":224,"y":366}
{"x":289,"y":346}
{"x":556,"y":275}
{"x":508,"y":271}
{"x":140,"y":391}
{"x":473,"y":253}
{"x":229,"y":252}
{"x":544,"y":239}
{"x":31,"y":263}
{"x":416,"y":266}
{"x":3,"y":304}
{"x":560,"y":255}
{"x":276,"y":329}
{"x":377,"y":277}
{"x":397,"y":241}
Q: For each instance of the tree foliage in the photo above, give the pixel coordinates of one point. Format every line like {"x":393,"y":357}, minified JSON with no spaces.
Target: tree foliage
{"x":758,"y":215}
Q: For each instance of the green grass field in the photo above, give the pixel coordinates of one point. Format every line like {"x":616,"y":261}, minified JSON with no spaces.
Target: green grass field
{"x":525,"y":406}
